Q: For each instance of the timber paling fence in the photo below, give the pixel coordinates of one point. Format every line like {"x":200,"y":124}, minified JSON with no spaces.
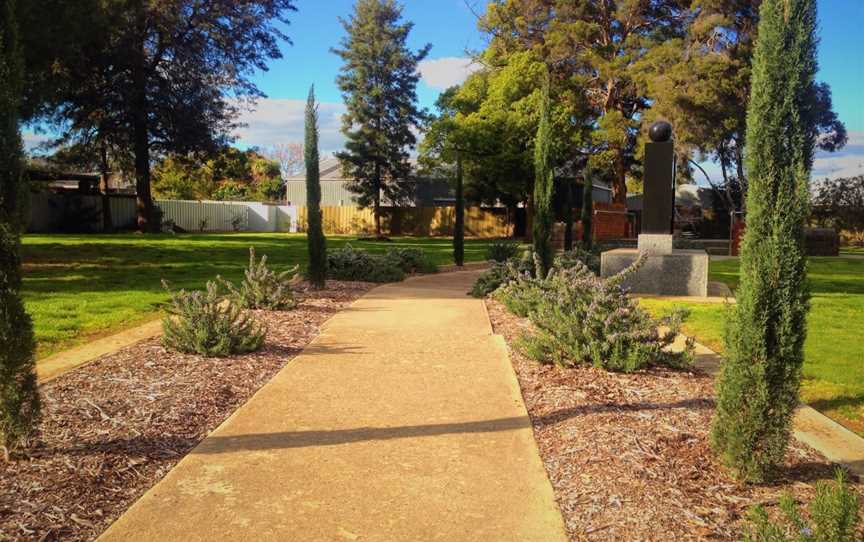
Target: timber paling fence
{"x":51,"y":212}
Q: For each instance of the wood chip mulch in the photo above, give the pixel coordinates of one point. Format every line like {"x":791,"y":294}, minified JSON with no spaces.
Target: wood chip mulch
{"x":113,"y":428}
{"x":628,"y":455}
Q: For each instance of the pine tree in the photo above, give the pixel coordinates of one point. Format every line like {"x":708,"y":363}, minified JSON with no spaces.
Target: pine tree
{"x":543,"y":186}
{"x":587,"y":210}
{"x":379,"y":84}
{"x":459,"y":227}
{"x":315,"y":231}
{"x":758,"y":387}
{"x":19,"y":399}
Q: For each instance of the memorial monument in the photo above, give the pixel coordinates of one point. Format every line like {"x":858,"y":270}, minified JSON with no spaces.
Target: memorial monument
{"x":666,"y":271}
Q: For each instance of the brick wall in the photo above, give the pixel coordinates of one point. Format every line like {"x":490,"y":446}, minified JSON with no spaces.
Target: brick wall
{"x":610,"y":222}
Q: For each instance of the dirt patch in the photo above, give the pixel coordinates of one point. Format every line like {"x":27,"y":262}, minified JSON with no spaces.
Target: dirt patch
{"x":628,"y":455}
{"x":111,"y":429}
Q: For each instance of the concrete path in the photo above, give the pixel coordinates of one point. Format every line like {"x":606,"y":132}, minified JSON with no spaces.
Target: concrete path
{"x":402,"y":421}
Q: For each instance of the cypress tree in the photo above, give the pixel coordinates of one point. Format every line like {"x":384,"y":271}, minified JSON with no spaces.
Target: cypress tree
{"x":459,"y":227}
{"x":19,"y":399}
{"x":568,"y":216}
{"x":315,"y":239}
{"x":587,"y":210}
{"x":543,"y":186}
{"x":758,"y":386}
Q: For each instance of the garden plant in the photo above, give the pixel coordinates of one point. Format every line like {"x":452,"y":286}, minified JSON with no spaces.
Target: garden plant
{"x":210,"y":324}
{"x":263,"y":288}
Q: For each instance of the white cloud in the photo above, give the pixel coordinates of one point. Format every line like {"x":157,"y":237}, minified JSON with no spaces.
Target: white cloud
{"x":443,"y":73}
{"x":847,"y":162}
{"x":274,"y":120}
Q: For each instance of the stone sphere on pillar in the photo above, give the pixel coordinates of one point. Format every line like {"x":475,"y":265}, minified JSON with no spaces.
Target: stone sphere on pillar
{"x":660,"y":131}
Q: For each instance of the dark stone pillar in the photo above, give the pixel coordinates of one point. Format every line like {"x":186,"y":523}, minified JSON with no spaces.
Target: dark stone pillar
{"x":658,"y":199}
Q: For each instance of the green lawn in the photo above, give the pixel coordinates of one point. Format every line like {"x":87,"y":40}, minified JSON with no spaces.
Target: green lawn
{"x":834,"y":362}
{"x":77,"y":287}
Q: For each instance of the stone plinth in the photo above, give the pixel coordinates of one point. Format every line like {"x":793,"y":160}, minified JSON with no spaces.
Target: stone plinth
{"x":683,"y":272}
{"x":655,"y":244}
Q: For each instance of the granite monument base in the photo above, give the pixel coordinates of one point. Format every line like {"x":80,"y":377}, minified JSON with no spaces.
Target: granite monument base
{"x":682,"y":273}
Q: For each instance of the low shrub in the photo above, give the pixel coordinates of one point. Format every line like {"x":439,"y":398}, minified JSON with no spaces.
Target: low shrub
{"x":581,"y":318}
{"x":263,"y":288}
{"x":412,"y":260}
{"x":210,"y":324}
{"x":501,"y":251}
{"x":568,"y":259}
{"x":499,"y":274}
{"x":834,"y":516}
{"x":348,"y":263}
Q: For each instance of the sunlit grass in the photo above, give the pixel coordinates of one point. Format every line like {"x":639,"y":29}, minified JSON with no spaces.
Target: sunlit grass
{"x":80,"y":286}
{"x":834,"y":355}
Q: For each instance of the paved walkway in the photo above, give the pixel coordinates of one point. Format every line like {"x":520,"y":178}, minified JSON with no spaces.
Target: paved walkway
{"x":402,"y":421}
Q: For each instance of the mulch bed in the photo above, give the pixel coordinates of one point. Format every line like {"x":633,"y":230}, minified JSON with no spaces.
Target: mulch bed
{"x":116,"y":426}
{"x":628,"y":454}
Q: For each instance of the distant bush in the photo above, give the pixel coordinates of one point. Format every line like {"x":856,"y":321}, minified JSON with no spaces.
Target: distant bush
{"x":581,"y":318}
{"x":501,"y":273}
{"x":263,"y":288}
{"x":501,"y":251}
{"x":591,"y":258}
{"x":209,"y":324}
{"x":834,"y":517}
{"x":348,"y":263}
{"x":412,"y":260}
{"x":521,"y":267}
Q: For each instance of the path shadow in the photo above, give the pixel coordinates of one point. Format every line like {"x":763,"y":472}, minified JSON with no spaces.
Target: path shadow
{"x":301,"y":439}
{"x":168,"y":446}
{"x":600,"y":408}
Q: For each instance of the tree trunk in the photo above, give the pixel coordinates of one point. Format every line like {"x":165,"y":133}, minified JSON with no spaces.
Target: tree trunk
{"x":141,"y":136}
{"x":376,"y":202}
{"x":107,"y":223}
{"x":459,"y":227}
{"x":619,"y":185}
{"x":568,"y":216}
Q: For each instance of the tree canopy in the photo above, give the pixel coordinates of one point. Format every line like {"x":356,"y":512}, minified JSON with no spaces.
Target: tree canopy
{"x":161,"y":76}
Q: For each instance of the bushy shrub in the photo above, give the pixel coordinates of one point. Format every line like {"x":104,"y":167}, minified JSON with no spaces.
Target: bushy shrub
{"x":834,"y":516}
{"x":581,"y":318}
{"x":501,"y":273}
{"x":412,"y":260}
{"x":348,"y":263}
{"x":568,"y":259}
{"x":209,"y":324}
{"x":524,"y":266}
{"x":501,"y":251}
{"x":263,"y":288}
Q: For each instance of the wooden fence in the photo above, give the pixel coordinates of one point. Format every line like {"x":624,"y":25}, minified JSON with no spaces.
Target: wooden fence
{"x":420,"y":221}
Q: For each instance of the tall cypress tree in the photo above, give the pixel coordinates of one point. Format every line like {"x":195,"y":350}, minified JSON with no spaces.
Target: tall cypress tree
{"x":315,"y":231}
{"x":459,"y":227}
{"x":543,"y":186}
{"x":379,"y":84}
{"x":19,"y":399}
{"x":758,"y":387}
{"x":587,"y":210}
{"x":568,"y":215}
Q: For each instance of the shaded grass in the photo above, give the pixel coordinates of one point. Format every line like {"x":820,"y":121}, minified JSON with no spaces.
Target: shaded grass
{"x":77,"y":287}
{"x":834,"y":350}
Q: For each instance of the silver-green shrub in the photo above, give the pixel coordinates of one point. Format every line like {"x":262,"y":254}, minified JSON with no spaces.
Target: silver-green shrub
{"x":580,"y":318}
{"x":834,"y":517}
{"x":210,"y":324}
{"x":263,"y":288}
